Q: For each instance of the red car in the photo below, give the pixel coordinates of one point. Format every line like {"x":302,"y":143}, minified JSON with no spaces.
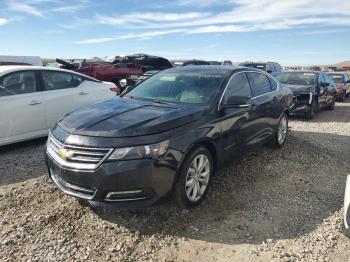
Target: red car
{"x":342,"y":82}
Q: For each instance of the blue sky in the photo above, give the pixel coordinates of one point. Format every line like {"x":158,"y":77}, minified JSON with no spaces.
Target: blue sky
{"x":298,"y":32}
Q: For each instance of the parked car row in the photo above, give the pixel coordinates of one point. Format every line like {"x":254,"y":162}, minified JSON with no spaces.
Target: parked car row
{"x":169,"y":132}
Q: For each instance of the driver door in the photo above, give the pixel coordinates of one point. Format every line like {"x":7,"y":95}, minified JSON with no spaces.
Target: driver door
{"x":236,"y":121}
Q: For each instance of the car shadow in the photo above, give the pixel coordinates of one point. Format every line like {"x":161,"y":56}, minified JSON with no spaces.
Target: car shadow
{"x":22,"y":161}
{"x":269,"y":194}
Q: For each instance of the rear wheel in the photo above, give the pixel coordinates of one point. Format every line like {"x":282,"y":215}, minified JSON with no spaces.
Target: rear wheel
{"x":194,"y":178}
{"x":280,"y":137}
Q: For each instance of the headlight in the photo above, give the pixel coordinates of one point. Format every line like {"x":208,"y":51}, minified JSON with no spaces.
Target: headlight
{"x":139,"y":152}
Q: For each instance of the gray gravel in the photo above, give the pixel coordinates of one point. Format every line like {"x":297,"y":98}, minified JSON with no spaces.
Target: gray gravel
{"x":272,"y":205}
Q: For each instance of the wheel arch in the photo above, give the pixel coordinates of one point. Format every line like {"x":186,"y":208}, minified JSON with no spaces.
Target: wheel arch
{"x":209,"y":144}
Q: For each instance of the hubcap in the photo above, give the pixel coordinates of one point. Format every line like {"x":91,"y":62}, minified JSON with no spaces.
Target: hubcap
{"x":282,"y":130}
{"x":197,"y":178}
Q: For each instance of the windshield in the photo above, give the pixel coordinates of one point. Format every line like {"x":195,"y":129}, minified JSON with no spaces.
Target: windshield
{"x":178,"y":87}
{"x":297,"y":78}
{"x":337,"y":78}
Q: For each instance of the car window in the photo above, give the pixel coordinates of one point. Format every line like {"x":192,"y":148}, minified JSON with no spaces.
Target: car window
{"x":321,"y":79}
{"x":273,"y":84}
{"x":55,"y":80}
{"x":238,"y":86}
{"x":77,"y":80}
{"x":270,"y":67}
{"x":260,"y":84}
{"x":326,"y":78}
{"x":297,"y":78}
{"x":18,"y":83}
{"x":337,"y":78}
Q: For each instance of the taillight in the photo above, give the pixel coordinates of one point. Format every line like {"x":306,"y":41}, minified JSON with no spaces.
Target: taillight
{"x":116,"y":89}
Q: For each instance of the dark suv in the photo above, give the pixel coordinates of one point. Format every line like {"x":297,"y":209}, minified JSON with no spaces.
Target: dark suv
{"x":313,"y":90}
{"x":272,"y":68}
{"x":169,"y":132}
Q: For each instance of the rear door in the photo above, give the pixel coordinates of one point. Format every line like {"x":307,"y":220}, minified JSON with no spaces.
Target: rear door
{"x":61,"y":95}
{"x":21,"y":107}
{"x":263,"y":111}
{"x":65,"y":92}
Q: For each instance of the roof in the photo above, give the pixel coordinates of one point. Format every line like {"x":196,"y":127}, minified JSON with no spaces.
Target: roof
{"x":302,"y":71}
{"x":9,"y":69}
{"x":217,"y":69}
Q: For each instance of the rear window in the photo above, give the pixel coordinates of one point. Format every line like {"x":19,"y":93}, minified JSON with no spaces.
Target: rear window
{"x":297,"y":78}
{"x":260,"y":84}
{"x":337,"y":78}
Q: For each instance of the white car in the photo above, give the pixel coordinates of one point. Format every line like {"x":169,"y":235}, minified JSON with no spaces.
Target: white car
{"x":33,"y":99}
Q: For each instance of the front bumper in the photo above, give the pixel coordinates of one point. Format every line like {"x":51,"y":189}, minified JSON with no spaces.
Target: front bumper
{"x":347,"y":207}
{"x":301,"y":104}
{"x":131,"y":183}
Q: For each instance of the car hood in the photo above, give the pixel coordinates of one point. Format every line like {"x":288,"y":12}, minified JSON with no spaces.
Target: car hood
{"x":297,"y":89}
{"x":123,"y":117}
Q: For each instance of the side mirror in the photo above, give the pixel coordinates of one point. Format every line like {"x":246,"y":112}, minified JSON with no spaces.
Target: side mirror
{"x":324,"y":84}
{"x":269,"y":71}
{"x":237,"y":102}
{"x":123,"y":83}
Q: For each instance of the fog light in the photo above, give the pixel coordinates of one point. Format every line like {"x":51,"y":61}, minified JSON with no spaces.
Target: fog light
{"x":121,"y":195}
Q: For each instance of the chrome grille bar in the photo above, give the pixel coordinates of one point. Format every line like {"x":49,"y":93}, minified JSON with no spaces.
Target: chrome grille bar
{"x":74,"y":157}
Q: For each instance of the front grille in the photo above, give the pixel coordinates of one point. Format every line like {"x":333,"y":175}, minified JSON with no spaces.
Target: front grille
{"x":81,"y":158}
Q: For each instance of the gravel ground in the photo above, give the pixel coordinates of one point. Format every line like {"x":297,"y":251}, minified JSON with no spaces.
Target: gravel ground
{"x":272,"y":205}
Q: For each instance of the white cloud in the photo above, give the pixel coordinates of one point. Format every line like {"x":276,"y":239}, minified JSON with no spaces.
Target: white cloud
{"x":24,"y":8}
{"x":3,"y":21}
{"x":147,"y":35}
{"x":146,"y":18}
{"x":38,"y":8}
{"x":251,"y":13}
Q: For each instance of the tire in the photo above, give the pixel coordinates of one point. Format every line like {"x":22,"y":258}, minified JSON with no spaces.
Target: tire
{"x":332,"y":104}
{"x":185,"y":196}
{"x":343,"y":97}
{"x":279,"y":138}
{"x":313,"y":110}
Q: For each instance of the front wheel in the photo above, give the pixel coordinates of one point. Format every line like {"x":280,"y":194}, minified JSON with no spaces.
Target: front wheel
{"x":194,"y":178}
{"x":280,"y":136}
{"x":313,"y":110}
{"x":332,"y":104}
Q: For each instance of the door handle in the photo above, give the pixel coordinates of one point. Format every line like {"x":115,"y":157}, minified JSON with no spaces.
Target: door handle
{"x":83,"y":93}
{"x":33,"y":103}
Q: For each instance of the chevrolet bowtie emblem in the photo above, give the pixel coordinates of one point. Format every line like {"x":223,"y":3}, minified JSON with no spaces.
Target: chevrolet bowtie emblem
{"x":65,"y":153}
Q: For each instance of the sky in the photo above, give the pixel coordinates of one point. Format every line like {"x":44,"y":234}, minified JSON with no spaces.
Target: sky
{"x":298,"y":32}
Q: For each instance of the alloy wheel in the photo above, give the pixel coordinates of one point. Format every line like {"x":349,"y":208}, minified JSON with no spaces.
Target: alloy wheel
{"x":197,"y":178}
{"x":282,"y":130}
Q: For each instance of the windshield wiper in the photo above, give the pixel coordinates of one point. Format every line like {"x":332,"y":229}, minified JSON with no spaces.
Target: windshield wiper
{"x":159,"y":102}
